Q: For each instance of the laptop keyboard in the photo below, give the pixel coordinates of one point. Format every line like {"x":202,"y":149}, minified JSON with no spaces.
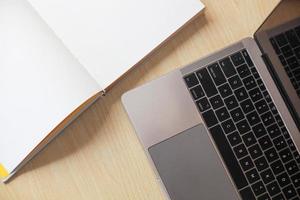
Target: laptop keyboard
{"x":287,"y":47}
{"x":246,"y":127}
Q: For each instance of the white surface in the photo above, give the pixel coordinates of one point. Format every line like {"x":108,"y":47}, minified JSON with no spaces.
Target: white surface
{"x":110,"y":36}
{"x":40,"y":81}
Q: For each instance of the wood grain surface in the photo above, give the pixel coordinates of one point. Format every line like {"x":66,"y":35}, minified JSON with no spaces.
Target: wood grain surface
{"x":99,"y":156}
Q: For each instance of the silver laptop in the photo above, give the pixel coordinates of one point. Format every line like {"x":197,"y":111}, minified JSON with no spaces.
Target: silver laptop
{"x":227,"y":125}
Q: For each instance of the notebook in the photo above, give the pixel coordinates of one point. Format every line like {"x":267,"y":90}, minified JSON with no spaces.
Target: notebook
{"x":59,"y":56}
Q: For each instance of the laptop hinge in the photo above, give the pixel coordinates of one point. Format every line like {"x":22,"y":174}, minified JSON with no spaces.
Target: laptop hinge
{"x":281,"y":89}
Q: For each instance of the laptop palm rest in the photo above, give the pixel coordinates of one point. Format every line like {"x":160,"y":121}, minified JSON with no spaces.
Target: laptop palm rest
{"x":190,"y":168}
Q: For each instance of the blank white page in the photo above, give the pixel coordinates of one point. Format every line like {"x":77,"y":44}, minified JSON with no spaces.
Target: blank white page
{"x":41,"y":82}
{"x":110,"y":36}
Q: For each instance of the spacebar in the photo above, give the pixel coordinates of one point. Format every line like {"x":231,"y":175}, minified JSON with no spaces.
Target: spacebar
{"x":228,"y":157}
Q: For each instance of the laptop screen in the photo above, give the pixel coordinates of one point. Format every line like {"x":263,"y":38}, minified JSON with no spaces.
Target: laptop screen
{"x":279,"y":39}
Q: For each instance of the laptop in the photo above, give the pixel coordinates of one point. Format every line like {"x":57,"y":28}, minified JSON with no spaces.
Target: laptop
{"x":227,"y":125}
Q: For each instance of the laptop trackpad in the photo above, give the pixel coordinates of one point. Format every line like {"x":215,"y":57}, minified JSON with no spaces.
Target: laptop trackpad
{"x":190,"y":168}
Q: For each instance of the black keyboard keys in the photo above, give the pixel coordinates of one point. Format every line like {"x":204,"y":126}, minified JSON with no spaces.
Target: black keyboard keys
{"x":222,"y":114}
{"x":252,"y":175}
{"x":210,"y":118}
{"x":258,"y":188}
{"x":261,"y":163}
{"x":191,"y":80}
{"x":243,"y":127}
{"x":225,"y":90}
{"x":243,"y":71}
{"x":216,"y":102}
{"x":231,"y":102}
{"x":228,"y":126}
{"x":273,"y":188}
{"x":206,"y":82}
{"x":255,"y":151}
{"x":237,"y":59}
{"x":285,"y":155}
{"x":241,"y":94}
{"x":217,"y":74}
{"x":289,"y":192}
{"x":247,"y":106}
{"x":203,"y":104}
{"x":267,"y":176}
{"x":228,"y":157}
{"x":197,"y":92}
{"x":235,"y":82}
{"x":247,"y":193}
{"x":227,"y":67}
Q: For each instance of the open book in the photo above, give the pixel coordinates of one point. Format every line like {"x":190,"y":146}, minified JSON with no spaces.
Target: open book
{"x":59,"y":56}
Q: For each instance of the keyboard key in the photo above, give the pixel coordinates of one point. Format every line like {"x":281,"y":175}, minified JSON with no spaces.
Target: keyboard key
{"x":234,"y":138}
{"x":253,"y":118}
{"x":285,"y":133}
{"x":267,"y":96}
{"x":254,"y":72}
{"x":285,"y":155}
{"x":279,"y":120}
{"x":292,"y":62}
{"x":217,"y":74}
{"x":249,"y":139}
{"x":264,"y":197}
{"x":225,"y":90}
{"x":258,"y":188}
{"x":271,"y":155}
{"x":228,"y":126}
{"x":278,"y":197}
{"x":283,"y":179}
{"x":273,"y":108}
{"x":247,"y":193}
{"x":247,"y":58}
{"x":243,"y":127}
{"x":231,"y":102}
{"x":246,"y":163}
{"x":203,"y":104}
{"x":249,"y":82}
{"x":259,"y":130}
{"x":227,"y":67}
{"x":222,"y":114}
{"x":277,"y":167}
{"x":287,"y":51}
{"x":241,"y":94}
{"x":197,"y":92}
{"x":296,"y":180}
{"x":279,"y":143}
{"x":292,"y":167}
{"x":267,"y":118}
{"x":261,"y":106}
{"x":291,"y":145}
{"x":261,"y":85}
{"x":255,"y":94}
{"x":274,"y":130}
{"x":247,"y":106}
{"x":289,"y":192}
{"x":240,"y":151}
{"x":243,"y":71}
{"x":282,"y":60}
{"x":210,"y":118}
{"x":281,"y":40}
{"x":216,"y":102}
{"x":228,"y":157}
{"x":267,"y":176}
{"x":261,"y":163}
{"x":237,"y":59}
{"x":292,"y":38}
{"x":275,"y":46}
{"x":206,"y":82}
{"x":273,"y":188}
{"x":235,"y":82}
{"x":265,"y":142}
{"x":297,"y":157}
{"x":237,"y":114}
{"x":191,"y":80}
{"x":255,"y":151}
{"x":252,"y":175}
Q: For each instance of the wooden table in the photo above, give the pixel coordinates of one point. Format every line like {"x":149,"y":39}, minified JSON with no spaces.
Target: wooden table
{"x":99,"y":156}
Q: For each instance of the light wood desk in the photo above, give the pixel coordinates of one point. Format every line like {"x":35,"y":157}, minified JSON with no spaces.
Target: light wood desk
{"x":99,"y":156}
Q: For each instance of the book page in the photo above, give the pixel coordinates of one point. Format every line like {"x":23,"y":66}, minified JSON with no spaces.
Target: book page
{"x":110,"y":36}
{"x":41,"y":82}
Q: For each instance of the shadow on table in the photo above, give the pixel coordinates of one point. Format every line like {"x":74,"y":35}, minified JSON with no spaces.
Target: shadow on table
{"x":88,"y":125}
